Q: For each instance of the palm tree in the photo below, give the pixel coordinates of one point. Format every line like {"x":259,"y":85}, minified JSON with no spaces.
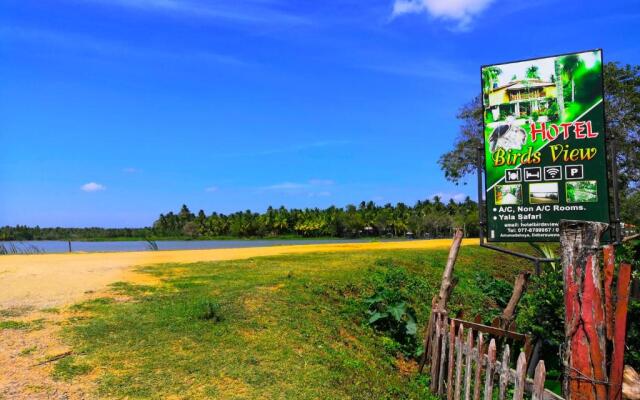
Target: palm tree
{"x":490,"y":78}
{"x":533,"y":72}
{"x":570,"y":65}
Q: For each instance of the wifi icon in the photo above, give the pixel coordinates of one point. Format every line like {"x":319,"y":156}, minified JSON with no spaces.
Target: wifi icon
{"x":552,"y":173}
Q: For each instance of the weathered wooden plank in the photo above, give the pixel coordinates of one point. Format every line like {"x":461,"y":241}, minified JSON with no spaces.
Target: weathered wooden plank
{"x":528,"y":347}
{"x":467,"y":369}
{"x":452,"y":349}
{"x":460,"y":350}
{"x":538,"y":382}
{"x":585,"y":338}
{"x":620,"y":330}
{"x":435,"y":353}
{"x":443,"y":354}
{"x":609,"y":269}
{"x":521,"y":377}
{"x":491,"y":364}
{"x":477,"y":383}
{"x":504,"y":373}
{"x":528,"y":385}
{"x":491,"y":330}
{"x":428,"y":337}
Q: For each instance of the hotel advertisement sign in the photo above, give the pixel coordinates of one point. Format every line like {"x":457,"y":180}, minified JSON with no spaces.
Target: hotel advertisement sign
{"x":545,"y":157}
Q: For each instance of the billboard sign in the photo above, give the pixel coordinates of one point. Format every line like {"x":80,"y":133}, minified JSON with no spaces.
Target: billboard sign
{"x":544,"y":145}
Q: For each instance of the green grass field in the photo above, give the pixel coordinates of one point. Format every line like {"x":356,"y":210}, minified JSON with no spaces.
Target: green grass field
{"x":286,"y":327}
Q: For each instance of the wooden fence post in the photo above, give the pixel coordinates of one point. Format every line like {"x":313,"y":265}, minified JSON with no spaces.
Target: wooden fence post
{"x":439,"y":302}
{"x":452,"y":349}
{"x":479,"y":359}
{"x":620,"y":330}
{"x":467,"y":370}
{"x":538,"y":382}
{"x":585,"y":338}
{"x":509,"y":312}
{"x":491,"y":365}
{"x":504,"y":373}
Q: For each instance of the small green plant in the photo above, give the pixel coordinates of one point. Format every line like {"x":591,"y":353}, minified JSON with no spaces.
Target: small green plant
{"x":390,"y":308}
{"x":14,"y":325}
{"x":207,"y":310}
{"x":68,"y":368}
{"x":27,"y":350}
{"x":397,"y":319}
{"x":15,"y":311}
{"x":496,"y":289}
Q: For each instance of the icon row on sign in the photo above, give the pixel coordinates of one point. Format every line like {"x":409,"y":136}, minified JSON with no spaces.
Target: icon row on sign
{"x":539,"y":174}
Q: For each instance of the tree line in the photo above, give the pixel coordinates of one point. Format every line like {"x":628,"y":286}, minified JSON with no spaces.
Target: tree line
{"x":426,"y":219}
{"x":23,"y":232}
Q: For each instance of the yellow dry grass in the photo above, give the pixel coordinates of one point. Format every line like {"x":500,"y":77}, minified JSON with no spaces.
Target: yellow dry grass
{"x":49,"y":280}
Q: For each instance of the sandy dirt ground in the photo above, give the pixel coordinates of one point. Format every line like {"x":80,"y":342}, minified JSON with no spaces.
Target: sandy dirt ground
{"x":38,"y":288}
{"x":50,"y":280}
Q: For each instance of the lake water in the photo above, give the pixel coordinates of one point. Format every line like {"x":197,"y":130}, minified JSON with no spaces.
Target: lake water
{"x":59,"y":246}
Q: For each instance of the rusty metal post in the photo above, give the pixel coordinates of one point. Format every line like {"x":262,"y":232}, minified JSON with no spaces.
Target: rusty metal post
{"x":584,"y":358}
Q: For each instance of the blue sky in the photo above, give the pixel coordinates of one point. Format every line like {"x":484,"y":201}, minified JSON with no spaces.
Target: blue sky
{"x":113,"y":111}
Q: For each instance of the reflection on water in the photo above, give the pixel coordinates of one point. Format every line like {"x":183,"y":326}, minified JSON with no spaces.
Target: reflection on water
{"x":59,"y":246}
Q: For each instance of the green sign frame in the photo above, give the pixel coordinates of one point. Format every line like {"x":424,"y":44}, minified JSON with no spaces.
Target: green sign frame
{"x":545,"y":146}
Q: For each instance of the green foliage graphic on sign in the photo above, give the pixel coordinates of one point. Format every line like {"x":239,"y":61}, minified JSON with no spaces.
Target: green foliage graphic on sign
{"x":545,"y":154}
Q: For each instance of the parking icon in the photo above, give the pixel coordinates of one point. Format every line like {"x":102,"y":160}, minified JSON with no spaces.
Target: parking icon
{"x":574,"y":171}
{"x":532,"y":174}
{"x":512,"y":175}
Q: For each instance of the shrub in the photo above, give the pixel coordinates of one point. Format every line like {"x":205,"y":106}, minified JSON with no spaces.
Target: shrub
{"x":391,"y":308}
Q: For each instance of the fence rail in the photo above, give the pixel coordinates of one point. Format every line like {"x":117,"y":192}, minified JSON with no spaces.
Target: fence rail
{"x":463,"y":367}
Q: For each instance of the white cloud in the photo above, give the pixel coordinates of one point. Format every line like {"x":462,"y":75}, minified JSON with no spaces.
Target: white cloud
{"x":92,"y":187}
{"x":211,"y":189}
{"x":460,"y":11}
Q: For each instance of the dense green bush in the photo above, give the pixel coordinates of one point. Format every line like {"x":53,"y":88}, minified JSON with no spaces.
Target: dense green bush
{"x":631,"y":252}
{"x":391,"y":307}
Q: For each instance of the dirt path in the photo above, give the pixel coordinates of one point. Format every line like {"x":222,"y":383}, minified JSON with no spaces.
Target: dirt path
{"x":35,"y":290}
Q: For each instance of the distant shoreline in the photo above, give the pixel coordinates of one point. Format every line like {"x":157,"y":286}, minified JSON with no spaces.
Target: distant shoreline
{"x":218,"y":238}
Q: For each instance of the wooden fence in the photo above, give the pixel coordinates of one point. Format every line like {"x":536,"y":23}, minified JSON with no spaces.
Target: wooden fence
{"x":463,"y":366}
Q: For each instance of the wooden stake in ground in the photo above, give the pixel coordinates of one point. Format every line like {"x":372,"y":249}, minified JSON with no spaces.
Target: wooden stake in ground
{"x":585,"y":338}
{"x":448,"y":282}
{"x":439,"y":302}
{"x":519,"y":288}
